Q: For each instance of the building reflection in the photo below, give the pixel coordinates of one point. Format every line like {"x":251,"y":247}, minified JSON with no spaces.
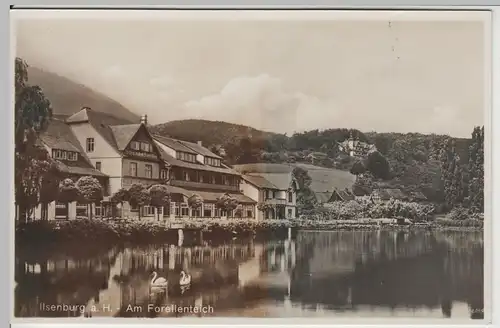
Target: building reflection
{"x":339,"y":271}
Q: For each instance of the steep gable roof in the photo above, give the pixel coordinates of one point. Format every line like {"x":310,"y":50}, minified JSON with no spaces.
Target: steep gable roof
{"x":101,"y":122}
{"x":282,"y":181}
{"x":58,"y":135}
{"x":123,"y":134}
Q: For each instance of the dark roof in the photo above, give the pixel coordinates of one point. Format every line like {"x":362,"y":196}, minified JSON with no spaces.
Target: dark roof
{"x":78,"y":170}
{"x":59,"y":135}
{"x":323,"y":197}
{"x":174,"y":144}
{"x":123,"y":134}
{"x":345,"y":195}
{"x":195,"y":166}
{"x":259,"y":182}
{"x":387,"y":194}
{"x":199,"y":149}
{"x":209,"y":195}
{"x":418,"y":195}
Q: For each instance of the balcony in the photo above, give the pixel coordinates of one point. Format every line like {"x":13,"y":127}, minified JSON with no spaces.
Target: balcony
{"x":275,"y":201}
{"x":201,"y":185}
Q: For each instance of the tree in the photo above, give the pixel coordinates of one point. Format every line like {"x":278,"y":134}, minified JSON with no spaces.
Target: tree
{"x":451,"y":175}
{"x":226,"y":202}
{"x":159,"y":196}
{"x":476,"y":170}
{"x":49,"y":188}
{"x":139,"y":196}
{"x":68,"y":193}
{"x":32,"y":112}
{"x":378,"y":165}
{"x":305,"y":196}
{"x":30,"y":167}
{"x":358,"y":168}
{"x":91,"y":192}
{"x":120,"y":196}
{"x":195,"y":202}
{"x":383,"y":143}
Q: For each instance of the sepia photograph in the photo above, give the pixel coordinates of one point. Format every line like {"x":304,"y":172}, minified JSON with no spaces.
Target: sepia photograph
{"x":251,"y":164}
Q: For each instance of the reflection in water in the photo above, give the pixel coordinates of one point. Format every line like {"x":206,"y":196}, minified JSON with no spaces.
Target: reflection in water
{"x":316,"y":273}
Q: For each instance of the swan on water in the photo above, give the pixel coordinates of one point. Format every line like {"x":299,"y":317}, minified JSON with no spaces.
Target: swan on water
{"x":158,"y":281}
{"x":185,"y":279}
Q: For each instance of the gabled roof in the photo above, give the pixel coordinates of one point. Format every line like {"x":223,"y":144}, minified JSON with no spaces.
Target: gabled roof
{"x":259,"y":182}
{"x":175,"y":144}
{"x":281,"y":181}
{"x":101,"y":122}
{"x":387,"y":194}
{"x":345,"y":195}
{"x":123,"y":134}
{"x":200,"y":149}
{"x":323,"y":197}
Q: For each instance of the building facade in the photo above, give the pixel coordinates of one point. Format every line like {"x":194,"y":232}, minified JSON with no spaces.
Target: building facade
{"x":275,"y":193}
{"x":121,"y":153}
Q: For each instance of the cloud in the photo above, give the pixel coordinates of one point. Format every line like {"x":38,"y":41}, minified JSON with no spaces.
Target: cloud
{"x":263,"y":102}
{"x":162,"y":82}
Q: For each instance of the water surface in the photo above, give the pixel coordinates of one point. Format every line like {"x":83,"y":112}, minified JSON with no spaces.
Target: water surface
{"x":342,"y":274}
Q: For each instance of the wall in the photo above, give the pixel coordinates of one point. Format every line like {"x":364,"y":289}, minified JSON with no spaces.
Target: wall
{"x":141,"y":168}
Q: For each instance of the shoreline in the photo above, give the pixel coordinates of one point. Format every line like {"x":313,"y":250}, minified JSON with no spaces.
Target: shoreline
{"x":150,"y":231}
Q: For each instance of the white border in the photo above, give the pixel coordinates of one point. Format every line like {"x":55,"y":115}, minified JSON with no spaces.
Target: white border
{"x":296,"y":15}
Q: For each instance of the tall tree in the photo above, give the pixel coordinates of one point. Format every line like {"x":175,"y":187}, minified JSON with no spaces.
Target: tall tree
{"x":451,"y":174}
{"x":91,"y":192}
{"x":378,"y":165}
{"x":305,"y":196}
{"x":49,"y":188}
{"x":32,"y":112}
{"x":195,"y":202}
{"x":476,"y":170}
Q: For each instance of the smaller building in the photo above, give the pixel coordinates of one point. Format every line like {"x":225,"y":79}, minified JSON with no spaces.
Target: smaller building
{"x":275,"y":194}
{"x":381,"y":195}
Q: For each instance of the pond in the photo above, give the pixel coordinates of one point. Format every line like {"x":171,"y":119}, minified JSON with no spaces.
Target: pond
{"x":310,"y":273}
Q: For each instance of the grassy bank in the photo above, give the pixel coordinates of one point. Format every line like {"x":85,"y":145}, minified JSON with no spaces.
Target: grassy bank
{"x":149,"y":231}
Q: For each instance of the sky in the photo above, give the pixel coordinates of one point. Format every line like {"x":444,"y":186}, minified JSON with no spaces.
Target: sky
{"x":383,"y":72}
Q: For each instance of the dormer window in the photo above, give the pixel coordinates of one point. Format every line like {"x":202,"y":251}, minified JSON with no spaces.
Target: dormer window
{"x":186,"y":157}
{"x":64,"y":155}
{"x":212,"y":161}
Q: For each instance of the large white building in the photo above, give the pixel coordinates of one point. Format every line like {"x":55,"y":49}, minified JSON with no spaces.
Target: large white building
{"x":121,"y":153}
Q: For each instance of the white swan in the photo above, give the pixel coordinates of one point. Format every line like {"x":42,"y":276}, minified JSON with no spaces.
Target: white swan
{"x":158,"y":281}
{"x":185,"y":279}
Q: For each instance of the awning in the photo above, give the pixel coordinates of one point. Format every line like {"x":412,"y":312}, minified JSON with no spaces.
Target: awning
{"x":210,"y":196}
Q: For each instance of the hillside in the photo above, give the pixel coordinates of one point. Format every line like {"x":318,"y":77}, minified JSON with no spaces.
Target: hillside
{"x":67,"y":96}
{"x":322,"y":179}
{"x":210,"y":132}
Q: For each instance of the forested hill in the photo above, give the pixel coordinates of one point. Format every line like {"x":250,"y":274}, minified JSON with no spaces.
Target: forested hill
{"x":209,"y":132}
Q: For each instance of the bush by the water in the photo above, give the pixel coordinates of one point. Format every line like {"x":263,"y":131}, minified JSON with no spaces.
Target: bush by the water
{"x":365,"y":208}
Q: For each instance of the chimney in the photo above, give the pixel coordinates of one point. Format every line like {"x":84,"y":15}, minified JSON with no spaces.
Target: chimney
{"x":199,"y":143}
{"x":144,"y":119}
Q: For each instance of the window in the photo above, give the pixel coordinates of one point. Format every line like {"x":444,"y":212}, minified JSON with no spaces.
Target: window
{"x":72,"y":156}
{"x":274,"y":194}
{"x":163,"y":174}
{"x":269,"y":194}
{"x":212,"y":161}
{"x":225,"y":180}
{"x":184,"y":210}
{"x":98,"y":166}
{"x":133,"y":169}
{"x":146,"y":147}
{"x":186,"y":157}
{"x":290,"y":197}
{"x":90,"y":145}
{"x":207,"y":210}
{"x":149,"y":171}
{"x":290,"y":211}
{"x":135,"y":145}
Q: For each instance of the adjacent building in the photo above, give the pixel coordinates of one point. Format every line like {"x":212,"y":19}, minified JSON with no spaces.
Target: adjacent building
{"x":274,"y":192}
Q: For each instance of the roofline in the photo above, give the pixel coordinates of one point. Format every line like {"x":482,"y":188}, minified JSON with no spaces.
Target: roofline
{"x":253,"y":184}
{"x":155,"y":138}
